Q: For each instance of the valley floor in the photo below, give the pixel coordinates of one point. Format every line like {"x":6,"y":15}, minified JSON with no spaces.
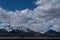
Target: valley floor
{"x":29,"y":37}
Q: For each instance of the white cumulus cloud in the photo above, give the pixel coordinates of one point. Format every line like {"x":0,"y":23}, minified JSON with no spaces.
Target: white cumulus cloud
{"x":44,"y":17}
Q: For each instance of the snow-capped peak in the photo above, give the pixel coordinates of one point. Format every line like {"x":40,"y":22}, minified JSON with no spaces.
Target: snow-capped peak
{"x":9,"y":28}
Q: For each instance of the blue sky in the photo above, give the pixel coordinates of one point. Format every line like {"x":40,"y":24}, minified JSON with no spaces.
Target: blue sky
{"x":45,"y":16}
{"x":17,"y":4}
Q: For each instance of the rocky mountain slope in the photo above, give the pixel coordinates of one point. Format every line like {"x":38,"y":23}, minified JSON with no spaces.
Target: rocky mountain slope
{"x":25,"y":32}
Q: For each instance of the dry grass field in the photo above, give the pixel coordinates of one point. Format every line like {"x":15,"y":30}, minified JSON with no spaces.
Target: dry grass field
{"x":29,"y":37}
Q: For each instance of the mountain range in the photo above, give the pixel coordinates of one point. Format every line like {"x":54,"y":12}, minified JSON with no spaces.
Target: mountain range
{"x":26,"y":32}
